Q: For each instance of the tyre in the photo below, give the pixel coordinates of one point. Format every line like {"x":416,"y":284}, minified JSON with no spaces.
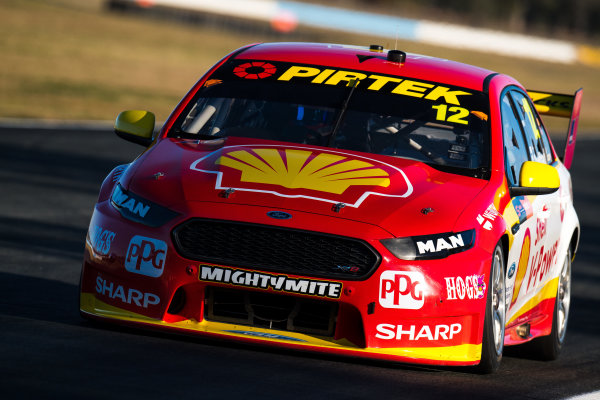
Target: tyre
{"x":549,"y":347}
{"x":81,"y":313}
{"x":492,"y":344}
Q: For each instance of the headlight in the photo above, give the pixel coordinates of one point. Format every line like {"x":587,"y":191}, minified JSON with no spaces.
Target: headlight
{"x":138,"y":209}
{"x":430,"y":246}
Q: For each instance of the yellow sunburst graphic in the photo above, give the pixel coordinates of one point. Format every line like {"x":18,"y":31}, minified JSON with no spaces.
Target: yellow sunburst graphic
{"x":297,"y":170}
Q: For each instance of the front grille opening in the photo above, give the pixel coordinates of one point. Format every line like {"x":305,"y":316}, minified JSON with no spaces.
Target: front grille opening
{"x":178,"y":302}
{"x":272,"y":248}
{"x":271,"y":311}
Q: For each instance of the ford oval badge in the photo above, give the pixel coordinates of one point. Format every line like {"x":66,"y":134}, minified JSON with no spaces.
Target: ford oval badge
{"x":511,"y":270}
{"x":279,"y":215}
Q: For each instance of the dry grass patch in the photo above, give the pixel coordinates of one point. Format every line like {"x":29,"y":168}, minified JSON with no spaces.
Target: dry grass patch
{"x":71,"y":59}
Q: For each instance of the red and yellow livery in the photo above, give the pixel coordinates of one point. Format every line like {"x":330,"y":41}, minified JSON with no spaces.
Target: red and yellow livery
{"x":342,"y":200}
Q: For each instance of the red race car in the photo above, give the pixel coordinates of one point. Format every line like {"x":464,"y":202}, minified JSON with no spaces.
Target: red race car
{"x":345,"y":200}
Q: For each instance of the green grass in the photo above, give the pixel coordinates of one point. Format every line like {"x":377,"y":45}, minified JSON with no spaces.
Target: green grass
{"x":71,"y":59}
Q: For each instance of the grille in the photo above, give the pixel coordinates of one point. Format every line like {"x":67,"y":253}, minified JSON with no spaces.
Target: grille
{"x":275,"y":249}
{"x":271,"y":311}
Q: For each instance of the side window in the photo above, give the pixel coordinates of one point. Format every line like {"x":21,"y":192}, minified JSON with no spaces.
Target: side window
{"x":533,"y":134}
{"x":515,"y":150}
{"x":545,"y":140}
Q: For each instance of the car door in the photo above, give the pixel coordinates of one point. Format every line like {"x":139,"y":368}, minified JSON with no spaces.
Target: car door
{"x":532,"y":219}
{"x":519,"y":213}
{"x":546,"y":208}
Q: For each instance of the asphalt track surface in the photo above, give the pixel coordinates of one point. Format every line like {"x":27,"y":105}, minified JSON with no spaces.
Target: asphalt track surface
{"x":49,"y":180}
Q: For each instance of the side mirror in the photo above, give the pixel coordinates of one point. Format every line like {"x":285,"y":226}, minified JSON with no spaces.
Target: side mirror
{"x":135,"y":126}
{"x":535,"y":179}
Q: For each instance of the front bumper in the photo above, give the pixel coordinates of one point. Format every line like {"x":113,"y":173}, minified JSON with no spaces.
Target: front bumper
{"x":426,"y":312}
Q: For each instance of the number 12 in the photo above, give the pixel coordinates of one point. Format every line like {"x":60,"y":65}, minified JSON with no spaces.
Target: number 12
{"x":458,"y":116}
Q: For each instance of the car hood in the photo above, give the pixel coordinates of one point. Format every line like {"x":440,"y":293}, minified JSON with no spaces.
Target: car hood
{"x":399,"y":195}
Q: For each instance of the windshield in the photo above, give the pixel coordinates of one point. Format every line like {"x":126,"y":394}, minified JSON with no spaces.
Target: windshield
{"x":446,"y":127}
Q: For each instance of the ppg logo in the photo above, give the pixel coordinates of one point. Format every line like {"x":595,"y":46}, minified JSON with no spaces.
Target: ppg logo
{"x":146,"y":256}
{"x":401,"y":290}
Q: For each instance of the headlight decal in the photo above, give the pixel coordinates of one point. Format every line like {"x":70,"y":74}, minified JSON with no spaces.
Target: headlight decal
{"x":440,"y":243}
{"x":430,"y":246}
{"x":138,"y":209}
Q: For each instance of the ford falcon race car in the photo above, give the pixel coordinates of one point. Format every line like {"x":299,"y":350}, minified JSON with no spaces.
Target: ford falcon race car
{"x":344,"y":200}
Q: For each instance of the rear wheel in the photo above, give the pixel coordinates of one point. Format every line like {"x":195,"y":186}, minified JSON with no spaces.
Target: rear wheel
{"x":549,"y":347}
{"x":492,"y":344}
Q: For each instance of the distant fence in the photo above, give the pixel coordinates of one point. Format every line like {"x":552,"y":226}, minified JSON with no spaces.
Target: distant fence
{"x":286,"y":16}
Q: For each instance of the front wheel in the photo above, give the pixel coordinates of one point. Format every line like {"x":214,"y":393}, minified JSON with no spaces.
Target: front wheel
{"x":492,"y":344}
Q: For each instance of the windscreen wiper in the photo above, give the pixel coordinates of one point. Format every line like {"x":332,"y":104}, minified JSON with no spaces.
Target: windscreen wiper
{"x":178,"y":133}
{"x":353,"y":84}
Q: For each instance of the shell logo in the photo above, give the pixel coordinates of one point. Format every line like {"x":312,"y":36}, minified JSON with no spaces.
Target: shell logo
{"x":522,"y":266}
{"x":296,"y":169}
{"x":300,"y":172}
{"x":255,"y":70}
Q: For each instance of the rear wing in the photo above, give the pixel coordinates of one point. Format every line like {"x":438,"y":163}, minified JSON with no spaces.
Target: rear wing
{"x":561,"y":105}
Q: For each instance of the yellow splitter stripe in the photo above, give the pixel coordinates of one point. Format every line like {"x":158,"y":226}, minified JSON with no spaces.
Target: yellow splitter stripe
{"x":461,"y":353}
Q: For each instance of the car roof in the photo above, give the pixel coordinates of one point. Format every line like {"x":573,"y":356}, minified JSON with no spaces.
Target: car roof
{"x":362,"y":59}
